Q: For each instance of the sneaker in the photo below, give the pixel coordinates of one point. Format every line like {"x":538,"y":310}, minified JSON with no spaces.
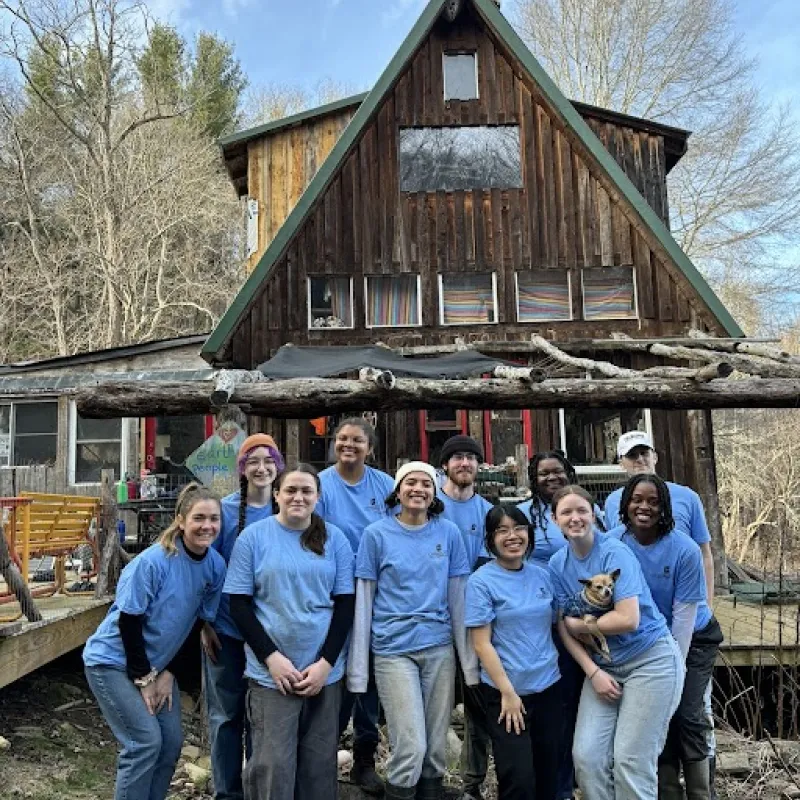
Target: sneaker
{"x":364,"y":776}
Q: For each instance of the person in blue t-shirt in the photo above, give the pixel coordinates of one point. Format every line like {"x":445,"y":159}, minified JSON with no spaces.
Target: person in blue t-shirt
{"x":160,"y":595}
{"x":510,"y":610}
{"x":467,"y":510}
{"x":290,"y":579}
{"x":627,"y":702}
{"x":259,"y":462}
{"x":353,"y":495}
{"x":548,"y":472}
{"x":673,"y":569}
{"x":411,"y":572}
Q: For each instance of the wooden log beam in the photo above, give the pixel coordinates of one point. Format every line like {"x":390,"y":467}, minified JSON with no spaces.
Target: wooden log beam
{"x":313,"y":397}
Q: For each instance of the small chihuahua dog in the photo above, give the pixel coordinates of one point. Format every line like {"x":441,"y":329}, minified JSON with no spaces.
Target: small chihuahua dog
{"x":594,"y":600}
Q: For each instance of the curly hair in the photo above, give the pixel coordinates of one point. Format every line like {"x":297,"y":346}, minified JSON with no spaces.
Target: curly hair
{"x":541,"y":504}
{"x":666,"y":521}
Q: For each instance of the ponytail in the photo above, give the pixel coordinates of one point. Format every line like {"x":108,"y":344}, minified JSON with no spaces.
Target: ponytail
{"x":190,"y":495}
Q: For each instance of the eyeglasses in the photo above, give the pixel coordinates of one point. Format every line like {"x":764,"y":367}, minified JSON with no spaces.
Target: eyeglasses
{"x":471,"y":457}
{"x":518,"y":529}
{"x":257,"y":462}
{"x":555,"y":472}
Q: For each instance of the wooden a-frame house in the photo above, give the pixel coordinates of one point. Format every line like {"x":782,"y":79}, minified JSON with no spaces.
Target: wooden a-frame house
{"x":465,"y":197}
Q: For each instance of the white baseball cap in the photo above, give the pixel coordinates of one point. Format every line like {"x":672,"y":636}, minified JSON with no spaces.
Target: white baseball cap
{"x":633,"y":439}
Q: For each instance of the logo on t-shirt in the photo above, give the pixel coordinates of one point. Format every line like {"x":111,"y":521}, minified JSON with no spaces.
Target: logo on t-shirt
{"x":543,"y":593}
{"x":438,"y":552}
{"x":666,"y":571}
{"x":374,"y":502}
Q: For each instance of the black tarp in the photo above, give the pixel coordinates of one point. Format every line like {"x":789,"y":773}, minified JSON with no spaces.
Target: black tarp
{"x":324,"y":362}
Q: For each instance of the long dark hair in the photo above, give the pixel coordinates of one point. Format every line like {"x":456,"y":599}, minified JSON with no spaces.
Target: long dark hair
{"x":665,"y":519}
{"x":493,"y":519}
{"x":315,"y":536}
{"x":541,"y":504}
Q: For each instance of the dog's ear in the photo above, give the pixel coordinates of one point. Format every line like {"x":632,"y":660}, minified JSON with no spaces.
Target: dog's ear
{"x":615,"y":574}
{"x":585,"y":581}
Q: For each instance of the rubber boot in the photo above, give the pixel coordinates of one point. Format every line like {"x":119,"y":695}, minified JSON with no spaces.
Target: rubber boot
{"x":393,"y":792}
{"x":362,"y":773}
{"x":696,"y":776}
{"x":712,"y":777}
{"x":430,"y":789}
{"x":669,"y":784}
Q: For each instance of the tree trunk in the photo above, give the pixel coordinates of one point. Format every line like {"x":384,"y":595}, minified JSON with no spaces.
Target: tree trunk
{"x":305,"y":398}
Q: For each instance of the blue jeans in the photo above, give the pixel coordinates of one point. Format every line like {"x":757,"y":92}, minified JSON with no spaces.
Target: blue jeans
{"x":151,"y":745}
{"x":226,"y":690}
{"x":416,"y":691}
{"x":365,"y":709}
{"x":571,"y":683}
{"x":617,"y":745}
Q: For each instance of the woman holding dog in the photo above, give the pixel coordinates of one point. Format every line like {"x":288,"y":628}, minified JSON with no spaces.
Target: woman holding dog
{"x":673,"y":568}
{"x":627,"y":702}
{"x":510,"y":613}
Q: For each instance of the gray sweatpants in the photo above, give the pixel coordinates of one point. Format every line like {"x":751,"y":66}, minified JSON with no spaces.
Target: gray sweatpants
{"x":294,"y":744}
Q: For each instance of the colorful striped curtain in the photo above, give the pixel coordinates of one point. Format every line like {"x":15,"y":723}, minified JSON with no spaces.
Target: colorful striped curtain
{"x":608,"y":293}
{"x":392,"y":300}
{"x":339,"y":289}
{"x":543,"y":295}
{"x":467,"y":299}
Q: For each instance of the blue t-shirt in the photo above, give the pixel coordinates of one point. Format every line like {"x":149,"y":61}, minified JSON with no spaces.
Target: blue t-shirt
{"x":520,"y":606}
{"x":352,"y":508}
{"x":170,"y":592}
{"x":547,"y":538}
{"x":292,"y":590}
{"x":412,"y":569}
{"x":469,"y":516}
{"x":687,"y":511}
{"x":223,"y":544}
{"x":673,"y":569}
{"x":606,"y":555}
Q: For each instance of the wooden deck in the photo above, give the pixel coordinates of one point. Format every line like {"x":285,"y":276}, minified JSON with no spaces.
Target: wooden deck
{"x":758,"y":635}
{"x":68,"y":622}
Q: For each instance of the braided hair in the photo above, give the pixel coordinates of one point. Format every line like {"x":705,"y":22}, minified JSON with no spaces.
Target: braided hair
{"x":244,"y":484}
{"x":666,"y":521}
{"x":541,"y":504}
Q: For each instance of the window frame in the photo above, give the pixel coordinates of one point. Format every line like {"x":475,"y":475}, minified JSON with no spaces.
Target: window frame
{"x":12,"y":431}
{"x":442,"y":323}
{"x":418,"y":324}
{"x":309,"y":319}
{"x":610,"y":318}
{"x":72,"y":447}
{"x":521,"y":321}
{"x":452,"y":53}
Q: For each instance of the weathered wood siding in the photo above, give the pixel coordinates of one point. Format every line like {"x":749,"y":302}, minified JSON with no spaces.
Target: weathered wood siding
{"x":281,"y":165}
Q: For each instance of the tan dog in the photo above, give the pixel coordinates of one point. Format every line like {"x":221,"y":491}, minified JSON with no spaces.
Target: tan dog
{"x":594,"y":600}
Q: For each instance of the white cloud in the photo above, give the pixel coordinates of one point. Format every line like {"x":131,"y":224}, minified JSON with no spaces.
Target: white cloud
{"x":169,"y":10}
{"x":397,"y":10}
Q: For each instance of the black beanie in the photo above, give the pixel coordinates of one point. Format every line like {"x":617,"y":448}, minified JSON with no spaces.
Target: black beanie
{"x":460,"y":444}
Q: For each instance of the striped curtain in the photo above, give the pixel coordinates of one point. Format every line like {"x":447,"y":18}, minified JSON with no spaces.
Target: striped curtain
{"x":609,"y":293}
{"x":543,"y":296}
{"x":392,"y":300}
{"x":467,"y":299}
{"x":339,"y":289}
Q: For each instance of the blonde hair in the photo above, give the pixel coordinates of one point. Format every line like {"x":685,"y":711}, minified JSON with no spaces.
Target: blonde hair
{"x":190,"y":495}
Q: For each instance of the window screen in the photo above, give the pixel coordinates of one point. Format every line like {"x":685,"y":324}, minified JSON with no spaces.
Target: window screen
{"x":460,"y":76}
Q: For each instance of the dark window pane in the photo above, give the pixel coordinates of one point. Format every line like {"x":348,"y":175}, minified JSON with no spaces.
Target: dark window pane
{"x":460,"y":76}
{"x":98,"y":428}
{"x":30,"y":450}
{"x":330,"y":303}
{"x":506,"y":434}
{"x":91,"y":458}
{"x":592,"y":433}
{"x":36,"y":417}
{"x":449,"y":159}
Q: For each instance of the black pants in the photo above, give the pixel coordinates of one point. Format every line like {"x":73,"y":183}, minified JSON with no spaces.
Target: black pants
{"x":686,"y":740}
{"x":527,"y":763}
{"x":475,"y":751}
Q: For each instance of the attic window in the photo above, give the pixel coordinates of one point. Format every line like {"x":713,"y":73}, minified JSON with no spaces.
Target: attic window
{"x":460,"y":76}
{"x":468,"y":298}
{"x":544,"y":295}
{"x":392,"y":300}
{"x":609,"y":293}
{"x":330,"y":302}
{"x":463,"y":158}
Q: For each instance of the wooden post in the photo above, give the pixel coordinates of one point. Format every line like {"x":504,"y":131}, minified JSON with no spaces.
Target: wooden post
{"x":292,"y":451}
{"x":702,"y":439}
{"x":14,"y":581}
{"x":523,"y":459}
{"x":107,"y":544}
{"x":26,"y":540}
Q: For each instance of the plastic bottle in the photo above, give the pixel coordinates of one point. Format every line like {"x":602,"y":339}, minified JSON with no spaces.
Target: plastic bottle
{"x":121,"y":531}
{"x":122,"y":492}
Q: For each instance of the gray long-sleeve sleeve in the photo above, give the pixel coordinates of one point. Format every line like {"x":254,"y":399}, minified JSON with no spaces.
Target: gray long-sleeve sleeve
{"x":684,"y":616}
{"x":358,"y":659}
{"x":456,"y":601}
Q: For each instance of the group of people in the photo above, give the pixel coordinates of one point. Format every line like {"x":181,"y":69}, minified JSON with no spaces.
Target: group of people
{"x":325,"y":597}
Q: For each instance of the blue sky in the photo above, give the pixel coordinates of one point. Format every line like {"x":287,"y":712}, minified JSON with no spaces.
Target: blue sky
{"x":351,"y":41}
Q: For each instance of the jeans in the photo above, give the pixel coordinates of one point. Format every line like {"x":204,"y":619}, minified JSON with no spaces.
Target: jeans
{"x":226,"y":690}
{"x":687,"y":740}
{"x":151,"y":744}
{"x":416,"y":692}
{"x":617,"y":745}
{"x":571,"y":683}
{"x":365,"y":709}
{"x":527,"y":762}
{"x":294,"y":744}
{"x":477,"y":741}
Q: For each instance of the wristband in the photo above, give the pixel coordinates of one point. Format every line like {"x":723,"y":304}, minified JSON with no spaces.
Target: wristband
{"x":146,"y":680}
{"x":597,"y":669}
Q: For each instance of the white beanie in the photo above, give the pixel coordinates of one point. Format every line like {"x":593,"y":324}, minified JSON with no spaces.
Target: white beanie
{"x":414,"y":466}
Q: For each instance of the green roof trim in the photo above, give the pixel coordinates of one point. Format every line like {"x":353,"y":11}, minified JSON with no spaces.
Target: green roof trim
{"x":369,"y":107}
{"x":506,"y":34}
{"x":294,"y":119}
